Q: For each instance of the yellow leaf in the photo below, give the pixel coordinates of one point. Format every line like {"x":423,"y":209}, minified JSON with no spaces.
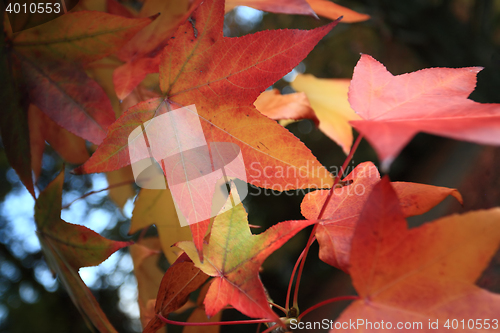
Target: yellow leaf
{"x":328,"y":98}
{"x":157,"y":207}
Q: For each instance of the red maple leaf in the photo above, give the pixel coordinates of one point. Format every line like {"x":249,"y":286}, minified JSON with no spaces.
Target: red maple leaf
{"x":335,"y":231}
{"x":422,"y":274}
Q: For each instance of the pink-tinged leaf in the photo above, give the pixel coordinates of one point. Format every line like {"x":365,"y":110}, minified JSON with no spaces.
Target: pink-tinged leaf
{"x":233,"y":256}
{"x":68,"y":247}
{"x":341,"y":215}
{"x":69,"y":97}
{"x":434,"y":100}
{"x":421,"y":275}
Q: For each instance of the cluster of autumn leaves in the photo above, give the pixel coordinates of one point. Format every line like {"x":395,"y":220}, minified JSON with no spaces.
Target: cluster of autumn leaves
{"x":102,"y":70}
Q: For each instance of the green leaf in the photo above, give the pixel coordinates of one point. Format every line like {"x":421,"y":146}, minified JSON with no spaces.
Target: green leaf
{"x":233,"y":256}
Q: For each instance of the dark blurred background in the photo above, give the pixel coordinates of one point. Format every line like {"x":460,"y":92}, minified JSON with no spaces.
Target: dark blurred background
{"x":405,"y":36}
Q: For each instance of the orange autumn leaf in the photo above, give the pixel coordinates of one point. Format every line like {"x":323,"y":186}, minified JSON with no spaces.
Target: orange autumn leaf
{"x":113,"y":154}
{"x":423,"y":274}
{"x":333,"y":11}
{"x":434,"y":100}
{"x":127,"y":76}
{"x":291,"y":106}
{"x":341,"y":215}
{"x":228,"y":89}
{"x":328,"y":98}
{"x":197,"y":69}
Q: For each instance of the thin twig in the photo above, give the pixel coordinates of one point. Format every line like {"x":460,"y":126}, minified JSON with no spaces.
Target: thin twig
{"x":270,"y":329}
{"x":328,"y":301}
{"x":235,"y":322}
{"x":98,"y":191}
{"x":289,"y":291}
{"x":279,"y":307}
{"x":320,"y":215}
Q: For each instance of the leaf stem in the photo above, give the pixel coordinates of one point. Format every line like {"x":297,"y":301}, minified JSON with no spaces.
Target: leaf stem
{"x":289,"y":291}
{"x":98,"y":191}
{"x":215,"y":323}
{"x":320,"y":215}
{"x":328,"y":301}
{"x":279,"y":307}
